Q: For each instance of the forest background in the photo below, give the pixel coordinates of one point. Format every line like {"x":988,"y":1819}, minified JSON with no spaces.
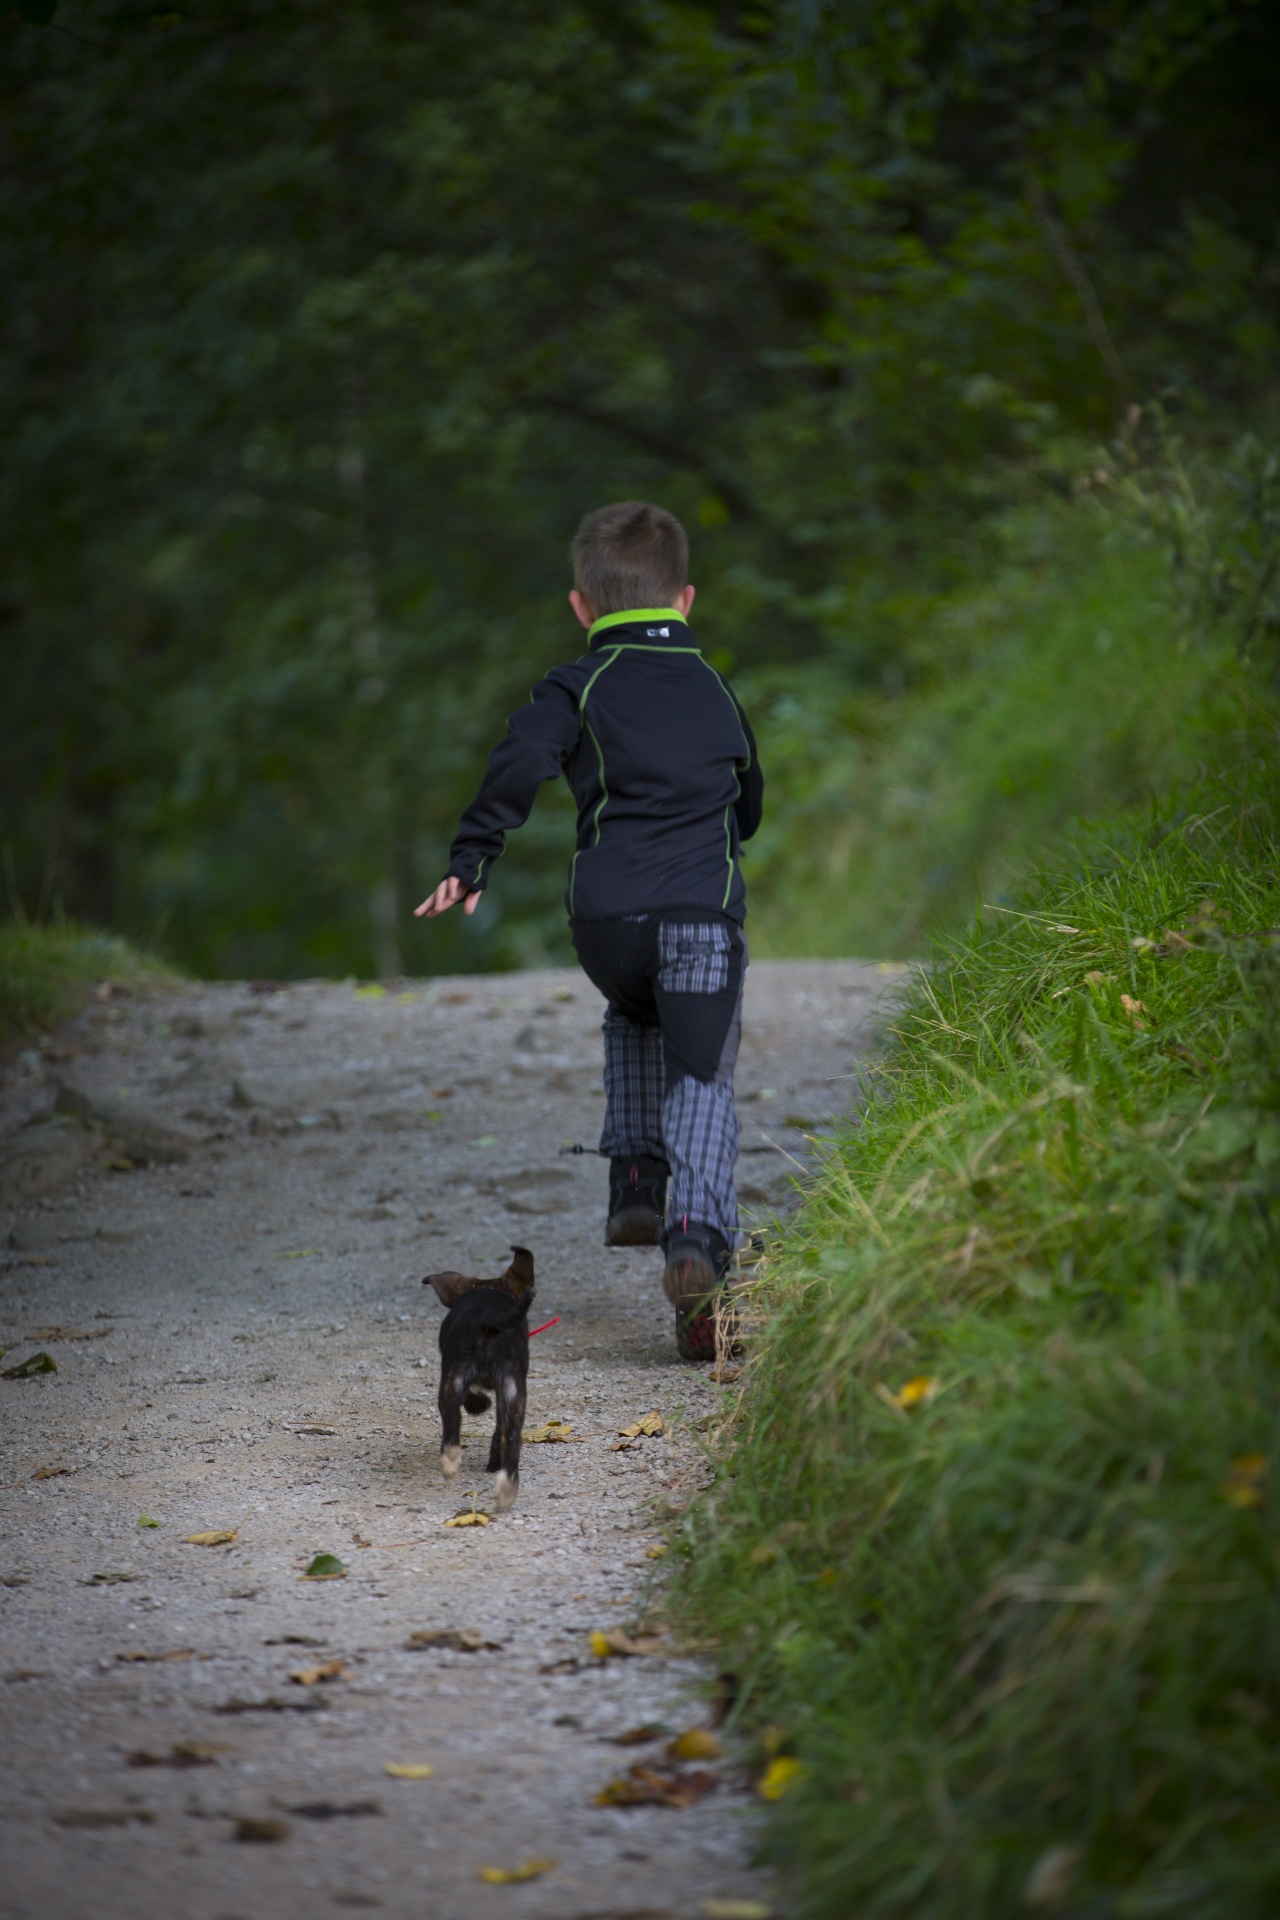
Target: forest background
{"x":324,"y":325}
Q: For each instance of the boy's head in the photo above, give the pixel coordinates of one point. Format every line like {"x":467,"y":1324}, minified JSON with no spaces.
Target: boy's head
{"x":629,"y":555}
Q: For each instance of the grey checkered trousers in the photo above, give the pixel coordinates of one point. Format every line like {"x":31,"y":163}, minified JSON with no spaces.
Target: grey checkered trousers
{"x":693,"y":1124}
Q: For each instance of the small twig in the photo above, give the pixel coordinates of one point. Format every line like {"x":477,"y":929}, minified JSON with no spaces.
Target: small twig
{"x":1073,"y":267}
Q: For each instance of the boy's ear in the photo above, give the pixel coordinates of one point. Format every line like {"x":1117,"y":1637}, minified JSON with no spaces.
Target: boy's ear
{"x":582,"y":607}
{"x":683,"y":602}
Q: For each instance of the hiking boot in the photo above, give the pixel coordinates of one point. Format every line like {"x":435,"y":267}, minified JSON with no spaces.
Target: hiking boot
{"x":637,"y":1200}
{"x":710,"y":1332}
{"x":697,"y":1260}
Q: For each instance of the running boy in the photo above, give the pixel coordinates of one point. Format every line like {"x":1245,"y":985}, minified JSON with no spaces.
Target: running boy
{"x":663,"y":765}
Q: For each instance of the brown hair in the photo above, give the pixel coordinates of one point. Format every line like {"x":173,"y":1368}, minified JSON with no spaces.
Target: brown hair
{"x":629,"y":555}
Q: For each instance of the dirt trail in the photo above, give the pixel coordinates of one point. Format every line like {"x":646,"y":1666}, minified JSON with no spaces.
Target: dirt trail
{"x":262,"y":1359}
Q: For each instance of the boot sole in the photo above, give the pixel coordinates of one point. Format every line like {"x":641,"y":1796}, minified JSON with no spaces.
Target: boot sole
{"x":639,"y":1228}
{"x":688,"y":1282}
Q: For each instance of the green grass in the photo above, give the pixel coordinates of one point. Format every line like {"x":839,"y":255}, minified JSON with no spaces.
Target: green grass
{"x":46,"y":971}
{"x":1065,"y":681}
{"x":1026,"y":1636}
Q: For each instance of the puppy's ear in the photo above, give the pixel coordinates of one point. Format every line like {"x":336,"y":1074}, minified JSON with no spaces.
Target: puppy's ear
{"x":449,"y":1286}
{"x":518,"y":1278}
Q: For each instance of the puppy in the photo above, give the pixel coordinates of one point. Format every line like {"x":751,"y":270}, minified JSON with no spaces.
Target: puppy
{"x":484,"y":1344}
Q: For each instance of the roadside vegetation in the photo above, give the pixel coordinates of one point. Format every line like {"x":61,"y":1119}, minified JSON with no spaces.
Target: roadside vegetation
{"x":992,"y":1551}
{"x":48,"y":971}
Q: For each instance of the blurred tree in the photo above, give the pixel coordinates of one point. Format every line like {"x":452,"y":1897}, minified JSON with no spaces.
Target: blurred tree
{"x":325,"y":327}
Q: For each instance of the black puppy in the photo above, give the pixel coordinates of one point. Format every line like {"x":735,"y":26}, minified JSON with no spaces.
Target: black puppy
{"x":484,"y":1344}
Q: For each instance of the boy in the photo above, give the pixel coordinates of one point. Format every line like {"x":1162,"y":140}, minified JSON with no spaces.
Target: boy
{"x":663,"y":765}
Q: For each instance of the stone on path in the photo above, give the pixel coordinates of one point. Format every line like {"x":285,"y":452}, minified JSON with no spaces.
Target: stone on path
{"x":140,"y":1132}
{"x":40,"y":1159}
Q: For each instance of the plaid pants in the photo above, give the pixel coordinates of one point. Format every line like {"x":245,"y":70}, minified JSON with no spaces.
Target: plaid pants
{"x":671,"y":1035}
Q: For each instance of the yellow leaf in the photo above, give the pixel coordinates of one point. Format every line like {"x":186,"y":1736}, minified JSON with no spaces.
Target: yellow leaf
{"x":407,"y":1770}
{"x":918,"y":1392}
{"x":615,"y":1641}
{"x":655,"y":1553}
{"x":507,"y":1876}
{"x":472,"y":1519}
{"x":1245,"y":1484}
{"x":652,"y":1426}
{"x":696,"y":1743}
{"x":780,"y":1776}
{"x":1134,"y":1009}
{"x":216,"y":1537}
{"x":553,"y":1430}
{"x":302,"y":1253}
{"x":315,"y":1676}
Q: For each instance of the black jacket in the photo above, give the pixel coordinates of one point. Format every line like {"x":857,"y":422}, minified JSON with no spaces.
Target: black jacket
{"x":662,"y":763}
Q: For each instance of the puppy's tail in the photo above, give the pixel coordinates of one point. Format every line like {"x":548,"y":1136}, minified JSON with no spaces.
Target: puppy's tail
{"x":474,"y":1401}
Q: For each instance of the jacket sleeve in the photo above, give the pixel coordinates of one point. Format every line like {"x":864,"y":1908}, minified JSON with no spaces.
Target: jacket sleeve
{"x":750,"y":803}
{"x":539,"y":739}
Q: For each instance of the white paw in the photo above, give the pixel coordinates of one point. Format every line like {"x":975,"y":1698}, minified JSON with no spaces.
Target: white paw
{"x":506,"y":1495}
{"x":450,"y":1461}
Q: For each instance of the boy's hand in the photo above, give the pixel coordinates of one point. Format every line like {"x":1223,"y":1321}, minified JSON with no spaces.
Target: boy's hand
{"x":447,"y":895}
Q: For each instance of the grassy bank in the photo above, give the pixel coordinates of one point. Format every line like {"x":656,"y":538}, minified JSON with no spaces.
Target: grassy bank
{"x":992,"y":1551}
{"x":47,"y":971}
{"x":1068,"y":673}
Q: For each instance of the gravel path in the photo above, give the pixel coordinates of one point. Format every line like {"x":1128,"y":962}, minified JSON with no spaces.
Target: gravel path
{"x":243,"y":1344}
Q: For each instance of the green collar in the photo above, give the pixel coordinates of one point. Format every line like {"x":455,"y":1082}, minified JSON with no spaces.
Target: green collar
{"x":632,"y":617}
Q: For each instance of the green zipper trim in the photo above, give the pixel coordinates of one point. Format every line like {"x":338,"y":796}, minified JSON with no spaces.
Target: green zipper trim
{"x":604,"y":789}
{"x":607,"y":620}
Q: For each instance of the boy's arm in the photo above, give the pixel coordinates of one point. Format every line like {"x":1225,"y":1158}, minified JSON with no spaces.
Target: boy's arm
{"x":539,"y":737}
{"x":750,"y":802}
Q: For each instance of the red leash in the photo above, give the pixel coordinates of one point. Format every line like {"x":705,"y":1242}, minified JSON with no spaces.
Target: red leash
{"x":543,"y":1327}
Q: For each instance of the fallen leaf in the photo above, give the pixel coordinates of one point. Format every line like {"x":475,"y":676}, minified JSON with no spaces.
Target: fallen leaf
{"x":109,"y":1579}
{"x":302,"y":1253}
{"x":69,"y":1333}
{"x":652,"y":1425}
{"x":34,"y":1363}
{"x":641,"y":1736}
{"x":780,"y":1776}
{"x":472,"y":1518}
{"x":508,"y":1876}
{"x":1049,"y":1881}
{"x":326,"y":1566}
{"x":736,"y":1910}
{"x":485,"y":1140}
{"x":617,"y":1642}
{"x":657,"y":1552}
{"x":251,"y":1829}
{"x":644,"y":1786}
{"x":270,"y":1705}
{"x":553,"y":1430}
{"x":138,"y":1658}
{"x":103,"y":1816}
{"x":330,"y":1432}
{"x":695,"y":1743}
{"x":724,"y":1376}
{"x":216,"y":1537}
{"x":316,"y":1676}
{"x":50,"y":1473}
{"x":145,"y":1520}
{"x":408,"y":1770}
{"x":1246,"y":1481}
{"x":184,"y":1753}
{"x":458,"y":1639}
{"x":918,"y":1392}
{"x":337,"y":1809}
